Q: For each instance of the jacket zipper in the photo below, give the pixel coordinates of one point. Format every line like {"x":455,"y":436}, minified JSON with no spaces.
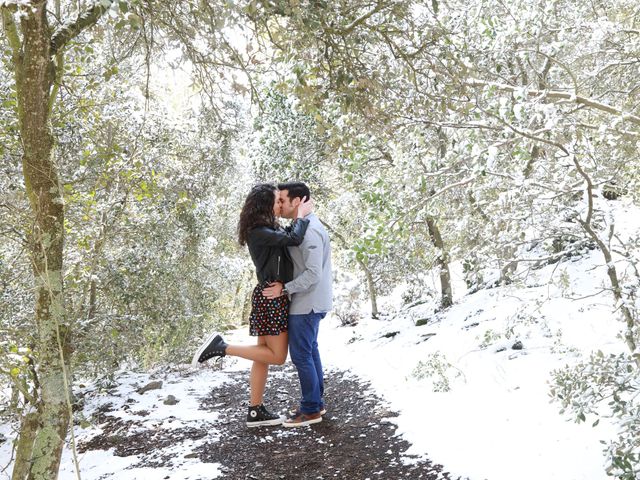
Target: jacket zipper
{"x":278,"y":272}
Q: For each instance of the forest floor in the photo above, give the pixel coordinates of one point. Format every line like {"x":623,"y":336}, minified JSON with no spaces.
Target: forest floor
{"x":356,"y":439}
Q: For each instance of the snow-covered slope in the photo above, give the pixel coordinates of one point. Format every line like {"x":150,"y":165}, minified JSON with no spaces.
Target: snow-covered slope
{"x":495,"y":421}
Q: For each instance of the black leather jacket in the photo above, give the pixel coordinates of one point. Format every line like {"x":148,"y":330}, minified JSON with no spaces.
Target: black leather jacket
{"x":268,"y":249}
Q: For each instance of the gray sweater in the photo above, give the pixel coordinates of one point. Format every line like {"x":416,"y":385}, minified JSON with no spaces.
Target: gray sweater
{"x":311,"y":285}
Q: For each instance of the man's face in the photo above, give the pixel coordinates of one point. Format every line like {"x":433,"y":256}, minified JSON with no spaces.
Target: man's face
{"x":288,"y":207}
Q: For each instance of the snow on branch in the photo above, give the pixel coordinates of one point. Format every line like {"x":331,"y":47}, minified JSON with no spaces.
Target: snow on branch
{"x":559,"y":95}
{"x":9,"y":3}
{"x":71,"y":30}
{"x":351,"y":27}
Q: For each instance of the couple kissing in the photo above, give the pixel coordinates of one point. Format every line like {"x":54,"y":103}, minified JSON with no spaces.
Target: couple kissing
{"x":294,"y":292}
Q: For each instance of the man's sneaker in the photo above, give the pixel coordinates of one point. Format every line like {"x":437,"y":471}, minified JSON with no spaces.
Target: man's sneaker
{"x":259,"y":416}
{"x":213,"y":346}
{"x":296,"y":412}
{"x":302,"y":419}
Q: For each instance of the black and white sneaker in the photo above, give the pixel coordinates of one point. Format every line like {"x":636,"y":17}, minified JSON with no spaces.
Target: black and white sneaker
{"x":259,"y":416}
{"x":213,"y":346}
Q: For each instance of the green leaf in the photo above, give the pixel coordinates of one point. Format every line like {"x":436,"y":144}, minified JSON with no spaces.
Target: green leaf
{"x":134,"y":20}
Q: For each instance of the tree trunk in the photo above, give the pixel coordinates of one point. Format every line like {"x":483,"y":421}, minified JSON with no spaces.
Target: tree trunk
{"x":434,"y":232}
{"x":24,"y":448}
{"x":629,"y":318}
{"x":246,"y":308}
{"x":372,"y":289}
{"x":244,"y":295}
{"x":628,"y":315}
{"x":35,"y":75}
{"x":509,"y":269}
{"x":442,"y":262}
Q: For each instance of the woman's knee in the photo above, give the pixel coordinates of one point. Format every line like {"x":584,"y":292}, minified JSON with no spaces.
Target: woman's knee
{"x":279,"y":349}
{"x":279,"y":355}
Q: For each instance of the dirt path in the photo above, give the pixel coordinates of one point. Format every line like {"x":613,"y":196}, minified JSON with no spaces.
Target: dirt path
{"x":355,"y":440}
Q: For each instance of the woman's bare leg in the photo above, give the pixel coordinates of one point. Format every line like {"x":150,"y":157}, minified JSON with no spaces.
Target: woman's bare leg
{"x":257,"y":383}
{"x":272,"y":352}
{"x":258,"y":379}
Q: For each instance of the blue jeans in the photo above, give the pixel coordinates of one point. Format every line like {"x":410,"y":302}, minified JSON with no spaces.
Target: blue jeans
{"x":303,"y":347}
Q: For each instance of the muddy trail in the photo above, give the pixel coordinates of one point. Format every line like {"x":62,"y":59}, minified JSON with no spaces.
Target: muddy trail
{"x":356,"y":439}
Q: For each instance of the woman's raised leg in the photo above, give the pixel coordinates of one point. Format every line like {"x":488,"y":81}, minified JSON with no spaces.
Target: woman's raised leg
{"x":272,"y":352}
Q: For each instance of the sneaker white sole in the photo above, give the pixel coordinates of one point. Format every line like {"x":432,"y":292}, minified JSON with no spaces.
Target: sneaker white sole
{"x":265,"y":423}
{"x":292,"y":413}
{"x":301,"y":424}
{"x":194,"y":360}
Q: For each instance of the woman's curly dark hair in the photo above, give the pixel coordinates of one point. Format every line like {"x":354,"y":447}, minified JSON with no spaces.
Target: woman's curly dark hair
{"x":257,"y":210}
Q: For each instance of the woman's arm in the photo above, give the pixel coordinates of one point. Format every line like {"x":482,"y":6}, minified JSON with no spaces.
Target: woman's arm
{"x":280,"y":238}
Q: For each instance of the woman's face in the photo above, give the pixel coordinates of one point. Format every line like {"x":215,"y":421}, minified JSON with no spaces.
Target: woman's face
{"x":276,"y":203}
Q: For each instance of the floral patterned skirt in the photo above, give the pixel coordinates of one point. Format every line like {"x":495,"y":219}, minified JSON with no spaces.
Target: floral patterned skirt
{"x":268,"y":317}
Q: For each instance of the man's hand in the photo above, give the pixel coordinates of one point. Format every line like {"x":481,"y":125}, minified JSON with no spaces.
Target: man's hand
{"x":305,"y":207}
{"x":274,"y":290}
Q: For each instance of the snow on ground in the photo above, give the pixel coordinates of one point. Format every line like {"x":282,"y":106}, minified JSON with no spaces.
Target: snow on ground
{"x":150,"y":411}
{"x":475,"y":404}
{"x":496,"y":421}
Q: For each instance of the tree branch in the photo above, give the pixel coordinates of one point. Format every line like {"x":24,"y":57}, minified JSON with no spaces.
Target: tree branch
{"x":423,"y":203}
{"x":559,"y":95}
{"x":12,"y":32}
{"x":531,"y":136}
{"x":358,"y":21}
{"x":551,"y":58}
{"x":59,"y":62}
{"x":71,"y":30}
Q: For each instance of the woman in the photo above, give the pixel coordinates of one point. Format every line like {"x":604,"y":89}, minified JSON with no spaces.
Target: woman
{"x":267,"y":242}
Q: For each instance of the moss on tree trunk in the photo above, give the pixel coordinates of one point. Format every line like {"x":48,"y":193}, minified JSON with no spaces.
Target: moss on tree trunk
{"x":43,"y":429}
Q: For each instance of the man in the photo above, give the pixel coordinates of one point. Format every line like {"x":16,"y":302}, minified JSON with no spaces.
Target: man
{"x":311,"y":299}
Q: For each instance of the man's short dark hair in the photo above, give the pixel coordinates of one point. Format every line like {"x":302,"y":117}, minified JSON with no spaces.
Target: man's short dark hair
{"x":295,"y":190}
